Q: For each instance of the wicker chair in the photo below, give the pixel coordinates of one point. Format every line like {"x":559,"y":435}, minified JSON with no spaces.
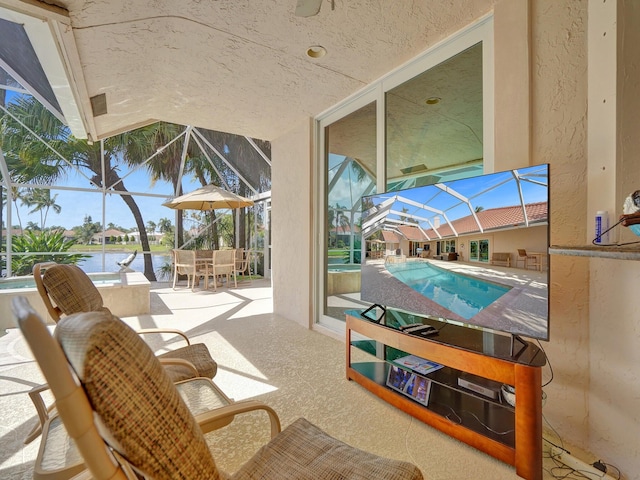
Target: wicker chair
{"x":61,"y":458}
{"x":72,"y":291}
{"x":186,"y":262}
{"x":224,"y":265}
{"x":144,"y":420}
{"x":243,"y":269}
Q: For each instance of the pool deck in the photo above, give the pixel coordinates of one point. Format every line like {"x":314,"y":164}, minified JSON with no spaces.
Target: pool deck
{"x":127,"y":296}
{"x":261,"y":356}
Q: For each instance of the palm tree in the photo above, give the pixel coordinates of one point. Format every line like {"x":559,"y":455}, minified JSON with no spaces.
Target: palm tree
{"x":250,"y":164}
{"x":164,"y":225}
{"x":37,"y":162}
{"x":140,"y":144}
{"x":342,"y":221}
{"x":16,"y":195}
{"x":40,"y":199}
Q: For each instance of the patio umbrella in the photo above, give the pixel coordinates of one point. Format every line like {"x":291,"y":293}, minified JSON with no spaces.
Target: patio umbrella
{"x":209,"y":197}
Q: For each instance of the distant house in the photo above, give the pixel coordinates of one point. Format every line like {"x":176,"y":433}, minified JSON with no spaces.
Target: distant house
{"x":14,"y":231}
{"x":69,"y":235}
{"x":108,"y":236}
{"x":153,"y":237}
{"x":345,"y":232}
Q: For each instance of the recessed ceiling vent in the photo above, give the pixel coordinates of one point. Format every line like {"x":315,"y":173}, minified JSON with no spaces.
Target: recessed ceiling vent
{"x":99,"y":104}
{"x":414,"y":169}
{"x":427,"y":180}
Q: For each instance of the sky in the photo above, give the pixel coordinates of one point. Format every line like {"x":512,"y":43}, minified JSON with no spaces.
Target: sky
{"x":76,"y":205}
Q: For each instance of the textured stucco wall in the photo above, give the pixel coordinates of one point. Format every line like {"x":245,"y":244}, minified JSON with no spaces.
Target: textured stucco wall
{"x":614,"y":421}
{"x":291,"y":224}
{"x":559,"y":137}
{"x":592,"y":401}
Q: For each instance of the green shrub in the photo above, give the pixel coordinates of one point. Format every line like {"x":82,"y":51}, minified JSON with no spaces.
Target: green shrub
{"x":38,"y":241}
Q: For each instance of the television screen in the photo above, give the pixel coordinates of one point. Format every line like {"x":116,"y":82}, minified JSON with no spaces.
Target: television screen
{"x":471,"y":251}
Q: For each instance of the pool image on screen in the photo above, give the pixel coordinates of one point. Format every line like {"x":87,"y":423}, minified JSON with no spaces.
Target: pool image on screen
{"x":473,"y":251}
{"x":462,"y":294}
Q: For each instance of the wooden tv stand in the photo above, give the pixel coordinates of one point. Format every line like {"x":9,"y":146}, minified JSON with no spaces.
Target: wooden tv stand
{"x":512,"y":435}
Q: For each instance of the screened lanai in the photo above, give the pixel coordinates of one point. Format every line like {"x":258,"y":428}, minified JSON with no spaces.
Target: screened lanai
{"x":458,"y":208}
{"x":115,"y":187}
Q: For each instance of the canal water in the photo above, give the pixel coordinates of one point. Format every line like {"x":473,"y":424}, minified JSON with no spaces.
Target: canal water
{"x":94,"y":262}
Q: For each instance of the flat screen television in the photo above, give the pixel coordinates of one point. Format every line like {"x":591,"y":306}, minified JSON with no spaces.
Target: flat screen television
{"x":472,"y":251}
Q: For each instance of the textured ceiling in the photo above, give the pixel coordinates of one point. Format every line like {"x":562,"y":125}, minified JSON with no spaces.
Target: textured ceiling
{"x":427,"y":138}
{"x":240,"y":66}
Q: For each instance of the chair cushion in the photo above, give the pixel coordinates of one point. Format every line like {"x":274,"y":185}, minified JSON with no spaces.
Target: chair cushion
{"x":134,"y":398}
{"x":304,"y":452}
{"x":71,"y":289}
{"x":196,"y":353}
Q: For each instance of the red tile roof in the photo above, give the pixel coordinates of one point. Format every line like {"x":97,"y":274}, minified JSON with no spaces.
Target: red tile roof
{"x":390,"y":237}
{"x":412,"y":233}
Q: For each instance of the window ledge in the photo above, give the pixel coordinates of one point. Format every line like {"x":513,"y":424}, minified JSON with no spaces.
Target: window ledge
{"x":631,"y":252}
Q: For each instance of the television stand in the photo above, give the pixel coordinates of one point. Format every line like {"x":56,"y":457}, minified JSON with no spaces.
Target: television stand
{"x":510,"y":434}
{"x":513,"y":344}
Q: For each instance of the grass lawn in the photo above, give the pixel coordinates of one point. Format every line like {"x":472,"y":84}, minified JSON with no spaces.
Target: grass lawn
{"x":118,"y":248}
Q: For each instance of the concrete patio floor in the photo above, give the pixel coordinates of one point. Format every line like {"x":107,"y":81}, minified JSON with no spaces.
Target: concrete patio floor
{"x":261,"y":356}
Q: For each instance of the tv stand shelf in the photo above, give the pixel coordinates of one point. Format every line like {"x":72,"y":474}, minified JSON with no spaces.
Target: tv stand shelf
{"x":512,"y":435}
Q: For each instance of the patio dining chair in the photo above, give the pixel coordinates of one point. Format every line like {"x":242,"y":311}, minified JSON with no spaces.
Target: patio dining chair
{"x":242,"y":268}
{"x":145,"y":426}
{"x":527,"y":260}
{"x":224,"y":265}
{"x":186,"y":262}
{"x":69,"y":441}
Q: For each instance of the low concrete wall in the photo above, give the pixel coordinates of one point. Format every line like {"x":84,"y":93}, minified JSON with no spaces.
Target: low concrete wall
{"x":127,"y":297}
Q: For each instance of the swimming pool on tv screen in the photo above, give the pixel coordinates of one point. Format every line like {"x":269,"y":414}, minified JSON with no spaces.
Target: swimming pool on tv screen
{"x":461,"y":294}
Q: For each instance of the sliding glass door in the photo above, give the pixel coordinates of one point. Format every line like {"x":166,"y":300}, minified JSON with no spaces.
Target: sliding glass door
{"x":422,"y":124}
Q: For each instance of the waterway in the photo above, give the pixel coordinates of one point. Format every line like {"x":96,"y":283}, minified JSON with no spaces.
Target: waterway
{"x":94,"y":262}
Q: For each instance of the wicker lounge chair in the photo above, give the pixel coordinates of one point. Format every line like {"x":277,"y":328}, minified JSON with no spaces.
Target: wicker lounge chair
{"x":144,"y":421}
{"x":66,"y":289}
{"x":59,"y":456}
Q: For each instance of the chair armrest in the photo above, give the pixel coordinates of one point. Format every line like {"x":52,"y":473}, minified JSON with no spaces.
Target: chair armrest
{"x":84,"y":475}
{"x":44,"y":411}
{"x":180,"y":362}
{"x":224,"y":415}
{"x":146,"y":331}
{"x":41,"y":407}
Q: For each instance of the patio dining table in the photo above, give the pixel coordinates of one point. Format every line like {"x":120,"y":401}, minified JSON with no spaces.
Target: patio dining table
{"x":207,"y":262}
